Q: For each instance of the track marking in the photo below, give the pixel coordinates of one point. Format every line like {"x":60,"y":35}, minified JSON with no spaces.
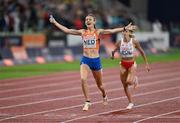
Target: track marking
{"x":57,"y":90}
{"x":80,"y":95}
{"x":34,"y":80}
{"x":56,"y":84}
{"x":141,"y":105}
{"x":155,"y":116}
{"x":50,"y":78}
{"x":75,"y":106}
{"x":66,"y":89}
{"x":49,"y":85}
{"x":58,"y":79}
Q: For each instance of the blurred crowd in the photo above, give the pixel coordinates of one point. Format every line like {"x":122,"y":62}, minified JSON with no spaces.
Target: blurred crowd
{"x":33,"y":15}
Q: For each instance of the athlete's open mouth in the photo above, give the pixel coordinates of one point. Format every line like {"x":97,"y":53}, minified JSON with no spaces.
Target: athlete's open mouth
{"x":88,"y":23}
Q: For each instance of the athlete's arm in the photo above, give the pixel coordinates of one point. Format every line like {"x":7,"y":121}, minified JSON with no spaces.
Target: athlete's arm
{"x":138,"y":46}
{"x":63,"y":28}
{"x":116,"y":30}
{"x":116,"y":48}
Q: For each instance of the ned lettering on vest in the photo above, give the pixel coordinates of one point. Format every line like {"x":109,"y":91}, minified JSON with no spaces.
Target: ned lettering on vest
{"x":89,"y":42}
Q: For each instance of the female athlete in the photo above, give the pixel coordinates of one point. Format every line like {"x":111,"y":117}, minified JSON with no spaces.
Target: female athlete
{"x":91,"y":59}
{"x":128,"y":65}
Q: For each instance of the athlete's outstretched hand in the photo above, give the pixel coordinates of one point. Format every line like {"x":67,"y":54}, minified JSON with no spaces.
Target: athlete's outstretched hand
{"x":131,"y":27}
{"x":51,"y":19}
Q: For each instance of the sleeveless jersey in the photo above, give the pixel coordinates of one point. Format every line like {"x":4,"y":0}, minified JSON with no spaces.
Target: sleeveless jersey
{"x":91,"y":44}
{"x":127,"y":49}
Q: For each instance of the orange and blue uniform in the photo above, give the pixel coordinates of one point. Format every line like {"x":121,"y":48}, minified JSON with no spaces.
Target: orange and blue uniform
{"x":91,"y":46}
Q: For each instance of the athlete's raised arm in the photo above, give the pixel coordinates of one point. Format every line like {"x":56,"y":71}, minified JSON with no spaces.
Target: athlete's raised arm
{"x":63,"y":28}
{"x":116,"y":30}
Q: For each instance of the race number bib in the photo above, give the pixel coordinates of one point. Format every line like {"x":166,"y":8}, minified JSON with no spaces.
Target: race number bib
{"x":126,"y":50}
{"x":89,"y":42}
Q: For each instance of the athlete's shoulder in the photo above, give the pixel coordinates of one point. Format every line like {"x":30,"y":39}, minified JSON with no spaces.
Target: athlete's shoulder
{"x":135,"y":41}
{"x":84,"y":31}
{"x":99,"y":31}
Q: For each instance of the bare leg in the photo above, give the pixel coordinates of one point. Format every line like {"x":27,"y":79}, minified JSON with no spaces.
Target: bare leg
{"x":123,"y":76}
{"x":84,"y":70}
{"x":98,"y":77}
{"x":132,"y":78}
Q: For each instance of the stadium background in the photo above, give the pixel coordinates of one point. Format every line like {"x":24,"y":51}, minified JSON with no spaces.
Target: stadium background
{"x":39,"y":65}
{"x":27,"y":37}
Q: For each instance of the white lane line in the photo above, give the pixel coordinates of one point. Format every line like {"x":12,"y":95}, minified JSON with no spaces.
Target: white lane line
{"x":80,"y":95}
{"x":97,"y":102}
{"x":51,"y":84}
{"x":168,"y":117}
{"x":65,"y":77}
{"x":58,"y":77}
{"x":35,"y":80}
{"x":156,"y":116}
{"x":58,"y":84}
{"x":141,"y":105}
{"x":72,"y":89}
{"x":54,"y":91}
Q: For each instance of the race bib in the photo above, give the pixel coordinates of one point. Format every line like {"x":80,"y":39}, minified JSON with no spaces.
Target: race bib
{"x":89,"y":42}
{"x":126,"y":50}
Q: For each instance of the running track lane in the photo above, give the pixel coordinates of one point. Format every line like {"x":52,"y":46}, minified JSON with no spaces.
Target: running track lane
{"x":41,"y":97}
{"x":52,"y":116}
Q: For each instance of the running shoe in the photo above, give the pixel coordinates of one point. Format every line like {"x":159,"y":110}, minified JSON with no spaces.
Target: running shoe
{"x":105,"y":100}
{"x":86,"y":106}
{"x":130,"y":106}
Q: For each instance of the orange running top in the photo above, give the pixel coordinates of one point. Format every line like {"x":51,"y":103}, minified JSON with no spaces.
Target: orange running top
{"x":91,"y":44}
